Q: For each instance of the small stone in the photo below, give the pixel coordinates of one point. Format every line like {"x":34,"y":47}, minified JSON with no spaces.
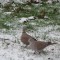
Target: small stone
{"x":48,"y":58}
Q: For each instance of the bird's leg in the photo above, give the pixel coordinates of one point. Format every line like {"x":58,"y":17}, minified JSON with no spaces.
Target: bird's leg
{"x":40,"y":51}
{"x":37,"y":52}
{"x":34,"y":52}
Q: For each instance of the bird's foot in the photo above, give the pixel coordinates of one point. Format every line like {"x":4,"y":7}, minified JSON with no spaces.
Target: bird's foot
{"x":24,"y":46}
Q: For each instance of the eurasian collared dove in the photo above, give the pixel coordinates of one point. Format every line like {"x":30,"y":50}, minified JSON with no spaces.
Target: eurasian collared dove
{"x":38,"y":46}
{"x":25,"y":37}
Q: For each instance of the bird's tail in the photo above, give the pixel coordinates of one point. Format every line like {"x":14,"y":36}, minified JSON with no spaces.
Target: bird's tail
{"x":50,"y":43}
{"x":53,"y":43}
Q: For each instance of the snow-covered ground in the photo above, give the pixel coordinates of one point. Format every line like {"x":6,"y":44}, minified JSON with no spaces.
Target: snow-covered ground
{"x":10,"y":44}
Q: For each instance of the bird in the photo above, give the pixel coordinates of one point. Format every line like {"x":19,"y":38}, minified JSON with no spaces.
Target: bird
{"x":25,"y":37}
{"x":38,"y":46}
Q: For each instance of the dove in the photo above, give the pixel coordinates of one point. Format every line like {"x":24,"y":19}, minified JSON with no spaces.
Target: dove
{"x":38,"y":46}
{"x":25,"y":37}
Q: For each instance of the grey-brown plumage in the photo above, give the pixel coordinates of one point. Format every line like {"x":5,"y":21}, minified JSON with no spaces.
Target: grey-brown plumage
{"x":38,"y":46}
{"x":25,"y":37}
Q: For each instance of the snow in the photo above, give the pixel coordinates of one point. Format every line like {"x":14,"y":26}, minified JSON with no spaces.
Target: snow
{"x":31,"y":17}
{"x":1,"y":10}
{"x":21,"y":20}
{"x":11,"y":47}
{"x":49,"y":1}
{"x":46,"y":17}
{"x":5,"y":1}
{"x":7,"y":13}
{"x":14,"y":51}
{"x":5,"y":36}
